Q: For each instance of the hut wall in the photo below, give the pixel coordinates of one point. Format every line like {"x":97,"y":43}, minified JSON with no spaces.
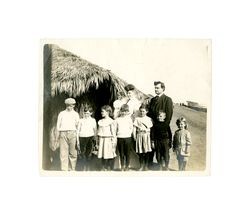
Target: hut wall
{"x":46,"y":105}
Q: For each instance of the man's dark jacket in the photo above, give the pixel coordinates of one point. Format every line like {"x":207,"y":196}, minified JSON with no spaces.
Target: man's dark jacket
{"x":162,"y":103}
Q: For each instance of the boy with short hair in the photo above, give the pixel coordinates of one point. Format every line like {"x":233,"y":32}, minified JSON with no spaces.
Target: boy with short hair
{"x":161,"y":140}
{"x":124,"y":129}
{"x":86,"y":135}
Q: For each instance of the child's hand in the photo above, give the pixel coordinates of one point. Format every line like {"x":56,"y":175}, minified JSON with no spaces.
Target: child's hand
{"x":187,"y":150}
{"x":114,"y":140}
{"x":152,"y":145}
{"x":79,"y":152}
{"x":77,"y":144}
{"x":78,"y":147}
{"x":142,"y":129}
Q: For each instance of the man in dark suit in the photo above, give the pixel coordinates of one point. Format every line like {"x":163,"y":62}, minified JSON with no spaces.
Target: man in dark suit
{"x":161,"y":102}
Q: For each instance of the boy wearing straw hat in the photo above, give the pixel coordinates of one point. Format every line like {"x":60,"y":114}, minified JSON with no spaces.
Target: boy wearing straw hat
{"x":67,"y":123}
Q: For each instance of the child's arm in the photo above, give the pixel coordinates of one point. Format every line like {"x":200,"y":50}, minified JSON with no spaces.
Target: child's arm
{"x":175,"y":142}
{"x":131,"y":127}
{"x":95,"y":129}
{"x":152,"y":137}
{"x":188,"y":143}
{"x":77,"y":120}
{"x":150,"y":123}
{"x":113,"y":133}
{"x":115,"y":127}
{"x":134,"y":132}
{"x":77,"y":135}
{"x":135,"y":126}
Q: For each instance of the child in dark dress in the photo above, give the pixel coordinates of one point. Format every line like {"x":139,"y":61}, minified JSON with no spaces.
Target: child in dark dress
{"x":161,"y":140}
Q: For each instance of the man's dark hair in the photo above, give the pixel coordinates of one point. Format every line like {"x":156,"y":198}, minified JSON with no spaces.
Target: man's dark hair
{"x":162,"y":84}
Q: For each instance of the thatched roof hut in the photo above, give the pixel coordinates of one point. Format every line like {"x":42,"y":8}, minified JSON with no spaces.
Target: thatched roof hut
{"x":68,"y":75}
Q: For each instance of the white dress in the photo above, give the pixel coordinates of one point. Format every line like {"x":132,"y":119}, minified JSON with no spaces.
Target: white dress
{"x":107,"y":140}
{"x":142,"y":132}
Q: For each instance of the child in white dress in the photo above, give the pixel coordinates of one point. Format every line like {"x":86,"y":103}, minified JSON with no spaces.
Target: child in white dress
{"x":107,"y":138}
{"x":141,"y":134}
{"x":181,"y":143}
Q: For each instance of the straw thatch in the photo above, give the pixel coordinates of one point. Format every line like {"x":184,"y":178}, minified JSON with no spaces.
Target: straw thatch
{"x":68,"y":75}
{"x":75,"y":76}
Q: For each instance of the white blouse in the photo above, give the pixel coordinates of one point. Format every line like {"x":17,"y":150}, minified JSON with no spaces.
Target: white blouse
{"x":106,"y":128}
{"x":87,"y":127}
{"x":124,"y":127}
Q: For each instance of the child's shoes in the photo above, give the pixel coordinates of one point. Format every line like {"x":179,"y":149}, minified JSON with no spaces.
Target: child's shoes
{"x":141,"y":168}
{"x":126,"y":168}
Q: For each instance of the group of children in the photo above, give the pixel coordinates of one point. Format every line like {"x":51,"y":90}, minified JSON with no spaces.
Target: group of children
{"x":109,"y":136}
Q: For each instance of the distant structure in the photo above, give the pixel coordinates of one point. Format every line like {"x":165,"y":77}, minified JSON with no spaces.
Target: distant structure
{"x":195,"y":106}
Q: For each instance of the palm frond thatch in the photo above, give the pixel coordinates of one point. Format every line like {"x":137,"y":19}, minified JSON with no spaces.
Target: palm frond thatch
{"x":74,"y":76}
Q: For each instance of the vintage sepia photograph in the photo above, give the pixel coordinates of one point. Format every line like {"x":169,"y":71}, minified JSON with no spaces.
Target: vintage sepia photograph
{"x":125,"y":106}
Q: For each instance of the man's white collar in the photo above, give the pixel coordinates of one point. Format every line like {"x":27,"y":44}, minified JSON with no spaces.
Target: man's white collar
{"x":160,"y":94}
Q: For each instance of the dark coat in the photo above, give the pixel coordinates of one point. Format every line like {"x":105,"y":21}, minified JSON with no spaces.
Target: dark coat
{"x":163,"y":103}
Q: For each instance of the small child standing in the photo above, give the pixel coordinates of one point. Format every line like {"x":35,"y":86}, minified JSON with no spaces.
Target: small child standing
{"x":86,"y":135}
{"x":107,"y":138}
{"x":124,"y":129}
{"x":141,"y":134}
{"x":181,"y":143}
{"x":161,"y":140}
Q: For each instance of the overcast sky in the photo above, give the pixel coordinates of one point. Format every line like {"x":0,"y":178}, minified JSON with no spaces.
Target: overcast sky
{"x":183,"y":65}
